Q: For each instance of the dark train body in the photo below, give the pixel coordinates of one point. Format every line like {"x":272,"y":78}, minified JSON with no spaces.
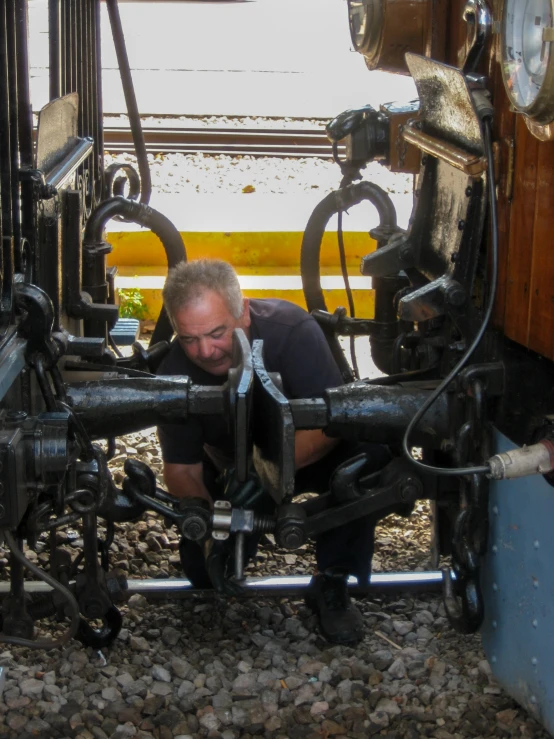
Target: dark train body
{"x":462,"y":331}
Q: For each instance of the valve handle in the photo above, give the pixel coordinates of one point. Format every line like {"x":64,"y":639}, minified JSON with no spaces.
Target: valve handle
{"x":348,"y":122}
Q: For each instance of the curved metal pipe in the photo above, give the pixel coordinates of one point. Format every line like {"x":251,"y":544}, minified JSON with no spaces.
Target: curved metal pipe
{"x":145,"y":216}
{"x":336,"y":202}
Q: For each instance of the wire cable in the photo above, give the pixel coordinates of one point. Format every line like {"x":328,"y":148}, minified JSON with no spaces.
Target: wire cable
{"x":484,"y":469}
{"x":347,"y":179}
{"x":348,"y":288}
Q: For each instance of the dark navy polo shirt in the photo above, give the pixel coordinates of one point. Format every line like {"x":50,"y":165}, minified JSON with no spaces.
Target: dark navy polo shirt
{"x":294,"y":346}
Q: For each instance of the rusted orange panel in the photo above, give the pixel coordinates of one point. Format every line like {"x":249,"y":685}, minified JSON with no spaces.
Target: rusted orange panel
{"x":541,"y":319}
{"x":520,"y":255}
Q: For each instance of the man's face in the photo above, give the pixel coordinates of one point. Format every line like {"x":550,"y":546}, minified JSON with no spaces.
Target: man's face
{"x":205,"y":327}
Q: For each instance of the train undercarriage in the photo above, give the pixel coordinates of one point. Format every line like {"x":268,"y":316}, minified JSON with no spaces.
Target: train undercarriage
{"x":455,"y":387}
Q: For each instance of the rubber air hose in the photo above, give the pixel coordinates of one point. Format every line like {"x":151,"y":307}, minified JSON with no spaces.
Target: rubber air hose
{"x":336,"y":202}
{"x":159,"y":224}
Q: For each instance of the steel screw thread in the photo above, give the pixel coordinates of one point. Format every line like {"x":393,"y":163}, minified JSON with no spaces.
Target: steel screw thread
{"x":264,"y":523}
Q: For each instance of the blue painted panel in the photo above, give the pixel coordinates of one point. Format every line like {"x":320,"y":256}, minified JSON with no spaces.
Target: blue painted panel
{"x":518,"y":588}
{"x":126,"y":331}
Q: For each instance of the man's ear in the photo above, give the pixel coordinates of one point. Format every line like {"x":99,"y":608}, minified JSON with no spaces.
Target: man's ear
{"x":245,"y":319}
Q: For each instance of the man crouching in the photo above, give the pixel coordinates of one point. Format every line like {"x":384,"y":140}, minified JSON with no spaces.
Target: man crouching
{"x":205,"y":304}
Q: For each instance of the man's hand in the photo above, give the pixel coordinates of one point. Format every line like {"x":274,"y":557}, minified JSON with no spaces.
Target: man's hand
{"x":217,"y":555}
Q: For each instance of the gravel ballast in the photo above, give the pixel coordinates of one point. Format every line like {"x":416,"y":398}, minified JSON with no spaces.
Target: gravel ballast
{"x":206,"y":667}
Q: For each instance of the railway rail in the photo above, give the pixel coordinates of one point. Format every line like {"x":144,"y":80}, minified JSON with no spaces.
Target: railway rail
{"x":258,"y":142}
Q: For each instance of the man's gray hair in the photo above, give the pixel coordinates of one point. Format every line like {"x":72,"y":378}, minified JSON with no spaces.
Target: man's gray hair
{"x":189,"y":280}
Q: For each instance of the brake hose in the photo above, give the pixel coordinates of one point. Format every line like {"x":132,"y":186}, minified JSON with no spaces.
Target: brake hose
{"x":70,"y":601}
{"x":483,"y":469}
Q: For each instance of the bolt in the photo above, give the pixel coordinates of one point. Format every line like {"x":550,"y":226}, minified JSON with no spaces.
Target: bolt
{"x":406,"y":252}
{"x":93,"y":609}
{"x":293,"y":537}
{"x":454,"y":257}
{"x":461,"y":225}
{"x":456,"y":295}
{"x":15,"y":416}
{"x":469,"y":191}
{"x":408,"y":490}
{"x":194,"y":529}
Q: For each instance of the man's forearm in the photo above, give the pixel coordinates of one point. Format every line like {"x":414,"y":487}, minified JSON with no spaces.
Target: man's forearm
{"x":310,"y":446}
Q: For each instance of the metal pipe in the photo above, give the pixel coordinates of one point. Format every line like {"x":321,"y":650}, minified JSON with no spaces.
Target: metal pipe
{"x":239,"y":556}
{"x":139,"y":402}
{"x":149,"y":218}
{"x":381,"y":413}
{"x":130,"y":100}
{"x":380,"y":582}
{"x":59,"y":174}
{"x":134,"y":403}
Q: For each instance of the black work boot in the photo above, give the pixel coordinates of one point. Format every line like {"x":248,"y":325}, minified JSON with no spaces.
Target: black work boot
{"x":340,"y":622}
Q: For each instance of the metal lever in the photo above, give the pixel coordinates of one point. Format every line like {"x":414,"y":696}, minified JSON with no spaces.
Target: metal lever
{"x":478,"y":17}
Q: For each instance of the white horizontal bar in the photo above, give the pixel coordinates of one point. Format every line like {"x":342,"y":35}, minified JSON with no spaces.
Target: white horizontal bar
{"x":396,"y":580}
{"x":250,"y":282}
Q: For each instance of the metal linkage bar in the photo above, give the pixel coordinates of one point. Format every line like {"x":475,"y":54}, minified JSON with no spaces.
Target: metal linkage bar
{"x":294,"y":585}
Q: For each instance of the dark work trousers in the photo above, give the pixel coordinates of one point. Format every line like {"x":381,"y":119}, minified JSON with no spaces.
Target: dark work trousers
{"x":348,"y":547}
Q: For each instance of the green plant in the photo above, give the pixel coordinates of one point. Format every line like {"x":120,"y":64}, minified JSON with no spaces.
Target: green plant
{"x":132,"y":305}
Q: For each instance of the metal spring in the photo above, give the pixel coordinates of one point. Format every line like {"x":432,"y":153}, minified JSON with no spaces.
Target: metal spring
{"x":263,"y":523}
{"x":42,"y":608}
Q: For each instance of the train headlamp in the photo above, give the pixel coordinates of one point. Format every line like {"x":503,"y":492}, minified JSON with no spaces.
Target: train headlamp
{"x":384,"y":30}
{"x":365,"y":18}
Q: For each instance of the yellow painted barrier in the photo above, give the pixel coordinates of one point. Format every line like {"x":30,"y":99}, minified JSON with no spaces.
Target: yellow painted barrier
{"x":268,"y":264}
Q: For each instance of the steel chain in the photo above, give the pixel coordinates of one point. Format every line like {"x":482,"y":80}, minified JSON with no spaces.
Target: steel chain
{"x":463,"y":599}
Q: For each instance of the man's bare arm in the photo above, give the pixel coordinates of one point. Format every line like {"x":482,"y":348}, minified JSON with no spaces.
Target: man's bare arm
{"x":311,"y":445}
{"x":186,"y":481}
